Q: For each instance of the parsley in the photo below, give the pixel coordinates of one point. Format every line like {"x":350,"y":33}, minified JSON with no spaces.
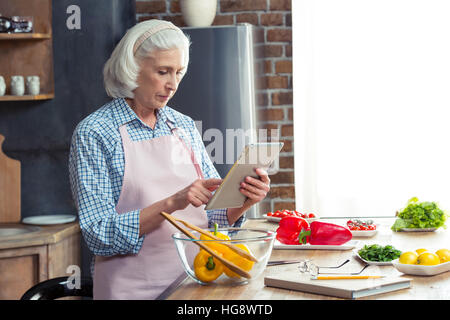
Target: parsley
{"x":375,"y":252}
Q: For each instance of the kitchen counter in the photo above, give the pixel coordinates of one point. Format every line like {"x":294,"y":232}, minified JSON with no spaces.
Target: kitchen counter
{"x":43,"y":236}
{"x":422,"y":287}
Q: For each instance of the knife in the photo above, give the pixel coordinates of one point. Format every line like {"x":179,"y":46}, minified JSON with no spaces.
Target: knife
{"x":279,"y":262}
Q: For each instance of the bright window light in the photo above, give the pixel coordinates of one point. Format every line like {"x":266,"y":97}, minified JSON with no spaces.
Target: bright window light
{"x":371,"y":105}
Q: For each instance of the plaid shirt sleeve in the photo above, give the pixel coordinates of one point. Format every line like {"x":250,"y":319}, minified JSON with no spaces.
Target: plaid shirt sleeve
{"x":218,"y":216}
{"x":106,"y":232}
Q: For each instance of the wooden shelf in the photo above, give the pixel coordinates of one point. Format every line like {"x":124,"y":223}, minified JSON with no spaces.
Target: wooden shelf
{"x":24,"y":36}
{"x":30,"y":53}
{"x":44,"y":96}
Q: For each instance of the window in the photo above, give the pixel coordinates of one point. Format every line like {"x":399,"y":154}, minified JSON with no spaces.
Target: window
{"x":371,"y":105}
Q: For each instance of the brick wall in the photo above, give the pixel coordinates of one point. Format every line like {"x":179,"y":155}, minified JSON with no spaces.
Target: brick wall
{"x":274,"y":60}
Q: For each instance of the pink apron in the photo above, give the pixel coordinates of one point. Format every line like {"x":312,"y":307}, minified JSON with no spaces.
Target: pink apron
{"x":154,"y":170}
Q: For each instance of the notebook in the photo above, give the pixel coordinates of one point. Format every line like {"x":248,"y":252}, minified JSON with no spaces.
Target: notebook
{"x":349,"y":289}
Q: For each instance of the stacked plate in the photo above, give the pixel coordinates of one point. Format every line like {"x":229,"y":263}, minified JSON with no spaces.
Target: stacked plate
{"x":49,"y":219}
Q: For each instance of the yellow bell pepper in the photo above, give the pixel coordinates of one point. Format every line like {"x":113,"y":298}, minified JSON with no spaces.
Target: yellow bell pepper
{"x":227,"y":253}
{"x":220,"y":248}
{"x":206,"y":267}
{"x":238,"y":260}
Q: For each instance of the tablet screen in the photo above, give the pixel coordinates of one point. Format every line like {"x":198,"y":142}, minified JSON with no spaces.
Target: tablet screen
{"x":256,"y":155}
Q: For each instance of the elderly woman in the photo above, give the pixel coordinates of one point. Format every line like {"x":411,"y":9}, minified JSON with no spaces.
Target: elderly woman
{"x":135,"y":157}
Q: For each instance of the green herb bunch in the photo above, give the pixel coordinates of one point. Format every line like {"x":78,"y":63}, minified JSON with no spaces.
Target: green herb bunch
{"x":378,"y":253}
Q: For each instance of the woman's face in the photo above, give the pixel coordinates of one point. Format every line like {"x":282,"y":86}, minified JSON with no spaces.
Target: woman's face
{"x":159,"y":77}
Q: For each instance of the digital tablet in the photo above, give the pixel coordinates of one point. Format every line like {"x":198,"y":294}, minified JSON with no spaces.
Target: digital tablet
{"x":256,"y":155}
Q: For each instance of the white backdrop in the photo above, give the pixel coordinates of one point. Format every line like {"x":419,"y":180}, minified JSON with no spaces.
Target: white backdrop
{"x":371,"y":105}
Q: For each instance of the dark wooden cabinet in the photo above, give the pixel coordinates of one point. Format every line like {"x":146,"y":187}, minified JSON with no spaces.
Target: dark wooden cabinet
{"x":28,"y":259}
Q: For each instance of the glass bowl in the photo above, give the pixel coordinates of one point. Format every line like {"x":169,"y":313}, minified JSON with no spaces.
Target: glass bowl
{"x":258,"y":242}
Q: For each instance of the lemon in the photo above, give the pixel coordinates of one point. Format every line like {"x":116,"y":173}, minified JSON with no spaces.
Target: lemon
{"x":444,"y":255}
{"x":420,"y":251}
{"x":408,"y":257}
{"x":428,"y":259}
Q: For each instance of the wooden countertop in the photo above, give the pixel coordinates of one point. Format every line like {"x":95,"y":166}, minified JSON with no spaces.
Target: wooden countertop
{"x":422,"y":287}
{"x":45,"y":235}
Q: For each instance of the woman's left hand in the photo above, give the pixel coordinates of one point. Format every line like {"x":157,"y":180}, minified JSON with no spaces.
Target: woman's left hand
{"x":255,"y":189}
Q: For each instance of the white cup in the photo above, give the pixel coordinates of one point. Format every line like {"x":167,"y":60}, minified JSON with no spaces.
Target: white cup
{"x":33,"y":85}
{"x":17,"y":86}
{"x":2,"y":86}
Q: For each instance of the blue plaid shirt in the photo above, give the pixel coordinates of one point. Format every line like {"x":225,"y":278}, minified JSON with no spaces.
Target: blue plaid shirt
{"x":96,"y":169}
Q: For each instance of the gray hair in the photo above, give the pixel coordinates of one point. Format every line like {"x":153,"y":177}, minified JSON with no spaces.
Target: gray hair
{"x":121,"y":71}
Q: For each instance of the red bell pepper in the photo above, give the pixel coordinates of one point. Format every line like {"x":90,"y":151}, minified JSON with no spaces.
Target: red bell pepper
{"x":296,"y":230}
{"x":323,"y":233}
{"x":289,"y":229}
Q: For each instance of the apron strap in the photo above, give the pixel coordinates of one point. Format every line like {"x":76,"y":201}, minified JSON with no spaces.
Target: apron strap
{"x":124,"y":133}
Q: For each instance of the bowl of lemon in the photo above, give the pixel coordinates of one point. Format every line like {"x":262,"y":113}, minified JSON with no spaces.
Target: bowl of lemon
{"x":423,"y":262}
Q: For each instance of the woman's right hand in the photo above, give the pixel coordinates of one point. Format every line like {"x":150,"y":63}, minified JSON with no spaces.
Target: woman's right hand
{"x":197,"y":194}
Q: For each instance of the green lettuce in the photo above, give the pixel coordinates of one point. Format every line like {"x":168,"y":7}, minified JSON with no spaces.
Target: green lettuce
{"x":420,"y":215}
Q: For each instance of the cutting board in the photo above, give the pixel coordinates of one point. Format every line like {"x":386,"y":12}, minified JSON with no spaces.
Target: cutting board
{"x":9,"y":188}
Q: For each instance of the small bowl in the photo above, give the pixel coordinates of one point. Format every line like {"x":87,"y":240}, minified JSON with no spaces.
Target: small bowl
{"x":363,"y":233}
{"x":373,"y":263}
{"x":421,"y":270}
{"x":258,"y":241}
